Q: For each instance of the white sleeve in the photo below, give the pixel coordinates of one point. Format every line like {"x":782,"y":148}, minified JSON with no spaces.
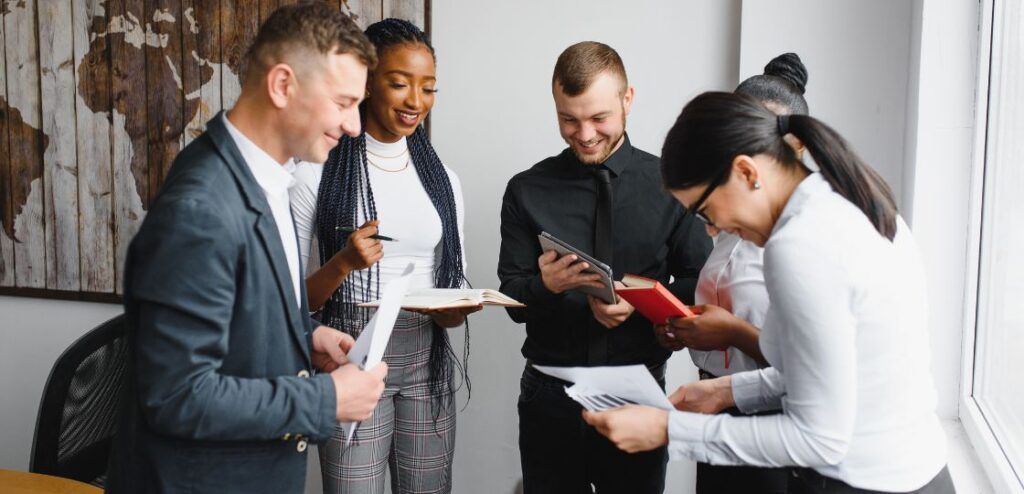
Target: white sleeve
{"x":811,"y":311}
{"x":303,"y":197}
{"x":758,"y":390}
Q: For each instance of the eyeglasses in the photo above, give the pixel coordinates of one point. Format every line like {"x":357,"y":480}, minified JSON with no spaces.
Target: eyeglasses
{"x":696,"y":207}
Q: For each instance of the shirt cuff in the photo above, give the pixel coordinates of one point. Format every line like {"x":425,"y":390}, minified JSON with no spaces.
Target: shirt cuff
{"x":751,"y":393}
{"x":686,"y":436}
{"x":327,"y":412}
{"x":539,"y":292}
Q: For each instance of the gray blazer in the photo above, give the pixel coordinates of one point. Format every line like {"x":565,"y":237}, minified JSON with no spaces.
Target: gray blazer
{"x":221,"y":397}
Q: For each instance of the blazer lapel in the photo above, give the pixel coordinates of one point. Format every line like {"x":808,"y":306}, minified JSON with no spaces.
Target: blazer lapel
{"x":266,"y":228}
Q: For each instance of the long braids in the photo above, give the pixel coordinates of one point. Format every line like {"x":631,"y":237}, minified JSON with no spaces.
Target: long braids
{"x":345,"y":191}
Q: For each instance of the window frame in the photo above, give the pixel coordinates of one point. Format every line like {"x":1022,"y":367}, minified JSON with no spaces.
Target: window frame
{"x":972,"y":413}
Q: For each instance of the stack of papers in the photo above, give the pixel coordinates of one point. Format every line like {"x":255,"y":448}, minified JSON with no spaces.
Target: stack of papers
{"x":602,"y":388}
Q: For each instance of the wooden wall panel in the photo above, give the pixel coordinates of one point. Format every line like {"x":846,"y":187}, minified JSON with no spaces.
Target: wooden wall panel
{"x":60,"y":160}
{"x":26,"y":143}
{"x":365,"y":13}
{"x":97,"y":97}
{"x":6,"y":198}
{"x":95,"y":173}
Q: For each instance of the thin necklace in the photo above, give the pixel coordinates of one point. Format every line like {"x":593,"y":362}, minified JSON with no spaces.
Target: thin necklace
{"x":399,"y":155}
{"x":389,"y":170}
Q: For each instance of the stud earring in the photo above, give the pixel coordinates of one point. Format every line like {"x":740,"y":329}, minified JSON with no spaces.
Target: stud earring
{"x":757,"y":185}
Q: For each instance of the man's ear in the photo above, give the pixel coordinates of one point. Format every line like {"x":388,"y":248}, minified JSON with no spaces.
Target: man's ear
{"x":280,"y":84}
{"x":627,"y":100}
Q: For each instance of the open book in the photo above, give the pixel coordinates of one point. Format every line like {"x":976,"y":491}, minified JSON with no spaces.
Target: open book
{"x":652,"y":299}
{"x":450,"y":298}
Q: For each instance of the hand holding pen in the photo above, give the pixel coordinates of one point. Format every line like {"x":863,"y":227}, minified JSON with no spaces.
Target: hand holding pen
{"x":363,"y":249}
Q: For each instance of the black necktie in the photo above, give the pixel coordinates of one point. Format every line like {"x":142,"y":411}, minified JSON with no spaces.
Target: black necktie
{"x":603,"y":217}
{"x":597,"y":350}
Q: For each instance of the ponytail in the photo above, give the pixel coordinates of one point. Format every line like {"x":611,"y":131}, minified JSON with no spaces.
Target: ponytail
{"x":716,"y":127}
{"x":848,"y":175}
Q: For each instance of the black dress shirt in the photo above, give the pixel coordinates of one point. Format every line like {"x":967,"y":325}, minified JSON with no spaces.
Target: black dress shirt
{"x":650,"y":237}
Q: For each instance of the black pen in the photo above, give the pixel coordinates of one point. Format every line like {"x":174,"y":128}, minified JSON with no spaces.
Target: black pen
{"x":375,"y":236}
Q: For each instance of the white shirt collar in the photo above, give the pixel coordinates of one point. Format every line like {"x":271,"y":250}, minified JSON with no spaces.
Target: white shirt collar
{"x":810,"y":186}
{"x":273,"y":177}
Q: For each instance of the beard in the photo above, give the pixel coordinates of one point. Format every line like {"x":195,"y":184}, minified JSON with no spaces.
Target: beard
{"x":607,"y":148}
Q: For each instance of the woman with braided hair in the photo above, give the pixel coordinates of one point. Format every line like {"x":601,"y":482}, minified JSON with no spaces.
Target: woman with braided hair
{"x":390,"y":180}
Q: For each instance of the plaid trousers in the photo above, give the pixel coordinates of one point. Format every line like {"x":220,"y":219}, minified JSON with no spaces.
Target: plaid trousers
{"x":402,"y":434}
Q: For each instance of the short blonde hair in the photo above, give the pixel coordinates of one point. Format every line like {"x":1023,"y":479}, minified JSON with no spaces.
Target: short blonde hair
{"x":580,"y":64}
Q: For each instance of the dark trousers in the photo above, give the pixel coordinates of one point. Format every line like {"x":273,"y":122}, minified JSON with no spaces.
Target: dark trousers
{"x":720,"y":479}
{"x":807,"y":481}
{"x":716,"y":479}
{"x":561,"y":454}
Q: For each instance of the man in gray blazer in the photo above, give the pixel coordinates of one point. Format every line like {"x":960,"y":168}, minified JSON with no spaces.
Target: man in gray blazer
{"x":224,"y":394}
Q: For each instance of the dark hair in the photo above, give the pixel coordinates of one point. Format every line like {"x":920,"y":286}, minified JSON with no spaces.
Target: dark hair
{"x":783,"y":83}
{"x":314,"y":26}
{"x":716,"y":127}
{"x":345,"y":191}
{"x":580,"y":64}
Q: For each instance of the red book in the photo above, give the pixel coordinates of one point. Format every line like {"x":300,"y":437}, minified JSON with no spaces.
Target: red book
{"x":652,"y":299}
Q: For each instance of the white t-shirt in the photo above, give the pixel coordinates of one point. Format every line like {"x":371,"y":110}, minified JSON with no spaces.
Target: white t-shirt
{"x":403,"y":208}
{"x":733,"y":279}
{"x":847,"y":337}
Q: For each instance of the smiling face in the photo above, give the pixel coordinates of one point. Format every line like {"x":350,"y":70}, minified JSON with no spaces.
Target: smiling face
{"x":594,"y":122}
{"x":736,"y":206}
{"x":323,"y":105}
{"x":401,"y":91}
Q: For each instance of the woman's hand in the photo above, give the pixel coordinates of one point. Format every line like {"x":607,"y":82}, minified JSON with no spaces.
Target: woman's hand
{"x":360,"y":250}
{"x":632,"y":428}
{"x":667,"y":339}
{"x":713,"y":328}
{"x":708,"y":396}
{"x":449,"y":318}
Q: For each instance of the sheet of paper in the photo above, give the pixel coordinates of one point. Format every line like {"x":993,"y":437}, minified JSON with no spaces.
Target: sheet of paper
{"x":368,"y":350}
{"x":608,"y":386}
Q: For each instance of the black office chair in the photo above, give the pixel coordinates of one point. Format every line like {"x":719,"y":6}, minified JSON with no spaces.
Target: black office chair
{"x":81,"y":401}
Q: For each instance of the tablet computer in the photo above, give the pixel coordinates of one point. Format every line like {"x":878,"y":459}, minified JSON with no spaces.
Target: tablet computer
{"x":607,"y":292}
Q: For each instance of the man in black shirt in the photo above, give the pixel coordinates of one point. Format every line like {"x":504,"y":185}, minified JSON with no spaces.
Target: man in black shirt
{"x":605,"y":197}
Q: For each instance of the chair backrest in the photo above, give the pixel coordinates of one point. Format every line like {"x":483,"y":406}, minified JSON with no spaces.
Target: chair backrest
{"x":78,"y":414}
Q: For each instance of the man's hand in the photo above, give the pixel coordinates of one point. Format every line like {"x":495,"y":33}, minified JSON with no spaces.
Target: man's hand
{"x":357,"y":392}
{"x":632,"y":428}
{"x":360,"y":250}
{"x":329,"y":348}
{"x":713,"y":328}
{"x":707,"y":396}
{"x":610,"y":315}
{"x":565,"y":273}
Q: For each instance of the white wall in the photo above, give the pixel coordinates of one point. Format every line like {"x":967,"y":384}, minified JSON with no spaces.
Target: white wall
{"x":33,"y":333}
{"x":857,"y":55}
{"x":942,"y":107}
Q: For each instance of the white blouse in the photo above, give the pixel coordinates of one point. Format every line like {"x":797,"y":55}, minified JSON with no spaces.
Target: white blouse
{"x":847,"y":336}
{"x":733,"y":279}
{"x":403,"y":208}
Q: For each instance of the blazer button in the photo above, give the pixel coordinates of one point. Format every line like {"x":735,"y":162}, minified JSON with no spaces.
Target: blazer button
{"x":303,"y":373}
{"x":301,"y":446}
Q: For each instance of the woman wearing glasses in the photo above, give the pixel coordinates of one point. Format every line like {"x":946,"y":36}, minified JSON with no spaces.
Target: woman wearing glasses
{"x":732,"y":280}
{"x":846,"y":332}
